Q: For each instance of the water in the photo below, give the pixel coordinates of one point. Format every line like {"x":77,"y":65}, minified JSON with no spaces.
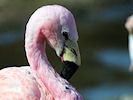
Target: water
{"x":114,"y":57}
{"x":108,"y":92}
{"x":11,"y":37}
{"x":113,"y":13}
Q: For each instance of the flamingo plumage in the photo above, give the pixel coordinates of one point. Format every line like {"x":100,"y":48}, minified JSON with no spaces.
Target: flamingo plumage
{"x":39,"y":81}
{"x":129,"y":27}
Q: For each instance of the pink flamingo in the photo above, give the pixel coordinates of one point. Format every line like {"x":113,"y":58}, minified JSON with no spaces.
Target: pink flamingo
{"x":129,"y":27}
{"x":56,"y":25}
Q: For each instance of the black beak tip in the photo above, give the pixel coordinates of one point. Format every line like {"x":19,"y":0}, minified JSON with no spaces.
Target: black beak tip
{"x":68,"y":69}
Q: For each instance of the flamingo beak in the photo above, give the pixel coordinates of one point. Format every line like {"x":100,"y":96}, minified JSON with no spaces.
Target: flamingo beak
{"x":131,"y":50}
{"x":70,"y":59}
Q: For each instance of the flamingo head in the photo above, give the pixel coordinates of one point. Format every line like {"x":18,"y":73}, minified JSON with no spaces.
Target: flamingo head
{"x":129,"y":27}
{"x":61,"y":33}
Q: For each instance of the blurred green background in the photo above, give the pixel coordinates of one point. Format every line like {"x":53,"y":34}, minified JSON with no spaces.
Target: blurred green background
{"x":103,"y":44}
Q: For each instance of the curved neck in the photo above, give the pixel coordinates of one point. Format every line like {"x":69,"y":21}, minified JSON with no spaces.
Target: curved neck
{"x":35,"y":51}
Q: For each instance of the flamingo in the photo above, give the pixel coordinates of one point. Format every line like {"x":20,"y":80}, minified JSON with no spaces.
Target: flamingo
{"x":129,"y":27}
{"x":55,"y":25}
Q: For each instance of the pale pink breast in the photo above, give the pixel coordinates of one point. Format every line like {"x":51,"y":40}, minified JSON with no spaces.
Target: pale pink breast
{"x":19,"y":83}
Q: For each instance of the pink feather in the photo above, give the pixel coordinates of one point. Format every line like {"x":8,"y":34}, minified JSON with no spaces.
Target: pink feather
{"x":40,"y":81}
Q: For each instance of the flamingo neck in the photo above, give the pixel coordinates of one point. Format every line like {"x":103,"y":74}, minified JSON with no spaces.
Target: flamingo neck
{"x":41,"y":67}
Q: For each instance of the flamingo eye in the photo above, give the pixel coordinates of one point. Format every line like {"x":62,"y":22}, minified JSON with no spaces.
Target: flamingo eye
{"x":65,"y":34}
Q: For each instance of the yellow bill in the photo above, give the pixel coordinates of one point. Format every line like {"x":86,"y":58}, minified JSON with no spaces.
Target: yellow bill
{"x":71,"y":52}
{"x":70,"y":59}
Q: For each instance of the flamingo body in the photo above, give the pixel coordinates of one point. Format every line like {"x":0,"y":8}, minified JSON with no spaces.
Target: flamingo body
{"x":40,"y":81}
{"x":19,"y":83}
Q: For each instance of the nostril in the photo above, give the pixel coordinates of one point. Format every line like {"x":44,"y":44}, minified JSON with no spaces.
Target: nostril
{"x":74,"y":52}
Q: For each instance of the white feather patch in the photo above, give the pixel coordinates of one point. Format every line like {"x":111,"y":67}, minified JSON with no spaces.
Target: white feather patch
{"x":131,"y":47}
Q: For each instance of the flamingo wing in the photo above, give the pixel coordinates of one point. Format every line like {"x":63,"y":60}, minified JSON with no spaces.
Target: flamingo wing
{"x":19,"y":83}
